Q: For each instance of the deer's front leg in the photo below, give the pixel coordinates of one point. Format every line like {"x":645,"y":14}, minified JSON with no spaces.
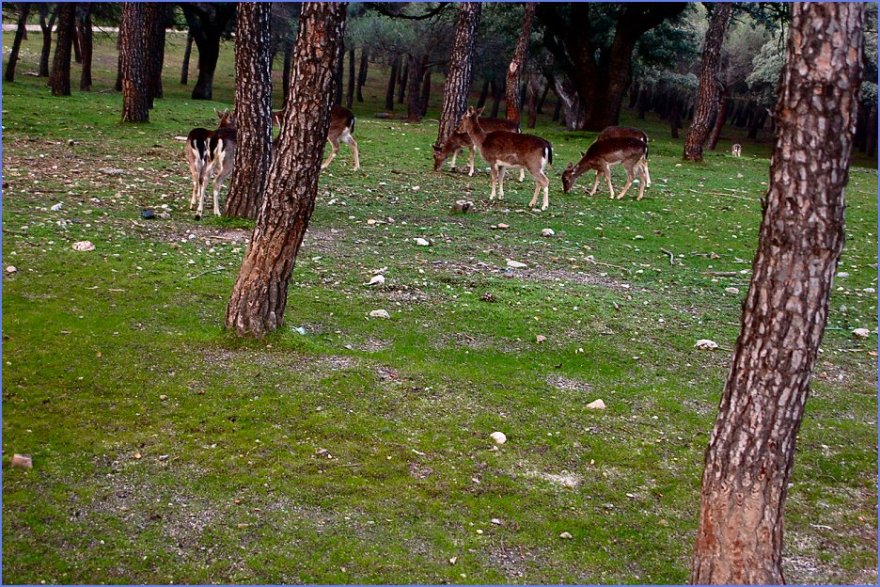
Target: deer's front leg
{"x":595,"y":183}
{"x":492,"y":178}
{"x":607,"y":172}
{"x":471,"y":161}
{"x":334,"y":148}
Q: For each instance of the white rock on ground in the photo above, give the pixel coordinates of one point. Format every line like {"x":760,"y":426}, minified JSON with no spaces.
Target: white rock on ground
{"x":706,"y":344}
{"x":516,"y":264}
{"x":379,"y":314}
{"x":498,"y":437}
{"x":861,"y":332}
{"x":83,"y":246}
{"x":596,"y":405}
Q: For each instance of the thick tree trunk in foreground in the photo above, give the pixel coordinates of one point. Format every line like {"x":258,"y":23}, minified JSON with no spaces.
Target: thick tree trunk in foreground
{"x":84,"y":26}
{"x":259,"y":296}
{"x":708,"y":94}
{"x":133,"y":52}
{"x":46,"y":28}
{"x":253,"y":109}
{"x":184,"y":68}
{"x":514,"y":70}
{"x":460,"y":71}
{"x":20,"y":31}
{"x":59,"y":81}
{"x":751,"y":449}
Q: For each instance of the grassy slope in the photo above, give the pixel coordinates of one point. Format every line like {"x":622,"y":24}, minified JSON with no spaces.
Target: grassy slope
{"x":360,"y":452}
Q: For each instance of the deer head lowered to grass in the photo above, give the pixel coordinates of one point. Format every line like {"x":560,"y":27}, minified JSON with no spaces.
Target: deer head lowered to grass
{"x":460,"y":140}
{"x":602,"y":155}
{"x":502,"y":149}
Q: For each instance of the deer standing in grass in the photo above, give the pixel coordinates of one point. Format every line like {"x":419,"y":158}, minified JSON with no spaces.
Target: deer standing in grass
{"x":502,"y":149}
{"x":210,"y":152}
{"x":460,"y":140}
{"x":341,"y":129}
{"x":602,"y":155}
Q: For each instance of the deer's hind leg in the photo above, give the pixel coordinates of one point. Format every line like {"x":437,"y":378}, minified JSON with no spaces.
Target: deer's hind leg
{"x":348,"y":139}
{"x":335,"y":149}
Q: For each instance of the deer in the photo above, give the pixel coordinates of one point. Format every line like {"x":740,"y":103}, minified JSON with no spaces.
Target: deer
{"x":602,"y":155}
{"x":341,"y":129}
{"x":459,"y":140}
{"x":502,"y":149}
{"x":199,"y":151}
{"x":736,"y":150}
{"x":612,"y":132}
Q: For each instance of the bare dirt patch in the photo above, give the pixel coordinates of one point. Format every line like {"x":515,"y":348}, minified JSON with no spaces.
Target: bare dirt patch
{"x":513,"y":561}
{"x":223,"y":358}
{"x":566,"y":384}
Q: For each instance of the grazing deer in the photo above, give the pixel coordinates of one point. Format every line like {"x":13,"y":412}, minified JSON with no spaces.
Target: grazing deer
{"x":602,"y":155}
{"x":502,"y":149}
{"x":736,"y":150}
{"x":341,"y":129}
{"x":614,"y":132}
{"x":199,"y":153}
{"x":460,"y":140}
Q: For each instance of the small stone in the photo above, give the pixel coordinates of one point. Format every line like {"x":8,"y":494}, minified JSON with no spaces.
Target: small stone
{"x":706,"y":344}
{"x":516,"y":264}
{"x":422,"y":242}
{"x":57,"y":207}
{"x":547,"y":232}
{"x":496,"y":521}
{"x":596,"y":405}
{"x":376,"y":280}
{"x":731,"y":290}
{"x":638,"y":237}
{"x":861,"y":332}
{"x":843,"y":275}
{"x":379,"y":314}
{"x":11,"y":269}
{"x":112,"y":170}
{"x":453,"y":560}
{"x":148,"y":214}
{"x":22,"y":461}
{"x":479,"y":531}
{"x":566,"y":536}
{"x":137,"y":456}
{"x":498,"y":437}
{"x":462,"y":206}
{"x":163,"y":397}
{"x":371,"y":221}
{"x":163,"y":457}
{"x":502,"y":226}
{"x":83,"y":246}
{"x":540,"y":338}
{"x":488,"y":297}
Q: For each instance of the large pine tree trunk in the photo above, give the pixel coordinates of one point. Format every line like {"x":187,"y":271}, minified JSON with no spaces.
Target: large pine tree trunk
{"x":514,"y":70}
{"x":46,"y":28}
{"x":59,"y":81}
{"x":184,"y":68}
{"x":460,"y":71}
{"x":362,"y":73}
{"x":253,"y":108}
{"x":133,"y":54}
{"x":20,"y":30}
{"x":752,"y":447}
{"x":259,"y":296}
{"x":708,"y":93}
{"x":84,"y":26}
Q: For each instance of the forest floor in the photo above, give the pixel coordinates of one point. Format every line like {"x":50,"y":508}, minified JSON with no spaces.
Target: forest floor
{"x":349,"y":449}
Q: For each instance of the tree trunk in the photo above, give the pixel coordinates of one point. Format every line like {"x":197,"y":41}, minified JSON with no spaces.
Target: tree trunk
{"x":757,"y":122}
{"x":340,"y":77}
{"x":484,"y":93}
{"x":532,"y":99}
{"x":572,"y":108}
{"x":362,"y":73}
{"x":514,"y":70}
{"x":349,"y":98}
{"x":207,"y":21}
{"x":719,"y":121}
{"x":154,"y":29}
{"x":426,"y":90}
{"x":557,"y":110}
{"x":540,"y":107}
{"x":459,"y":74}
{"x":253,"y":108}
{"x":871,"y":141}
{"x":642,"y":103}
{"x":77,"y":50}
{"x":46,"y":28}
{"x":184,"y":68}
{"x":23,"y":11}
{"x":84,"y":26}
{"x":59,"y":81}
{"x":259,"y":296}
{"x":133,"y":53}
{"x":674,"y":117}
{"x":634,"y":94}
{"x":392,"y":79}
{"x":752,"y":446}
{"x":402,"y":80}
{"x":416,"y":68}
{"x":497,"y":94}
{"x":708,"y":94}
{"x":288,"y":62}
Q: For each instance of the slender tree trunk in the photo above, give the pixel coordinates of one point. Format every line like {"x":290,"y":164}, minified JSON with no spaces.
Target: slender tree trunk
{"x":514,"y":70}
{"x":349,"y":98}
{"x":288,"y":62}
{"x":674,"y":117}
{"x":392,"y":79}
{"x":46,"y":28}
{"x":362,"y":73}
{"x":752,"y":447}
{"x":426,"y":90}
{"x":340,"y":77}
{"x":259,"y":296}
{"x":402,"y":81}
{"x":207,"y":21}
{"x":23,"y":11}
{"x":156,"y":21}
{"x":707,"y":96}
{"x":719,"y":121}
{"x":460,"y":71}
{"x":557,"y":111}
{"x":634,"y":94}
{"x":414,"y":104}
{"x":59,"y":81}
{"x":133,"y":51}
{"x":184,"y":68}
{"x":540,"y":108}
{"x":532,"y":99}
{"x":497,"y":95}
{"x":77,"y":50}
{"x":253,"y":108}
{"x":643,"y":101}
{"x":484,"y":93}
{"x":871,"y":140}
{"x":84,"y":26}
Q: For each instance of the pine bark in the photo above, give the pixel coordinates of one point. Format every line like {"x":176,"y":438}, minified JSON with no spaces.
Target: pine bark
{"x":84,"y":26}
{"x":514,"y":70}
{"x":253,"y":108}
{"x":46,"y":28}
{"x":59,"y":81}
{"x":459,"y":74}
{"x":752,"y":446}
{"x":259,"y":296}
{"x":709,"y":91}
{"x":184,"y":68}
{"x":20,"y":30}
{"x":133,"y":53}
{"x":285,"y":75}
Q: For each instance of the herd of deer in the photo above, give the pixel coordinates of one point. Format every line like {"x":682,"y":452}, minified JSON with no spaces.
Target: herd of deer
{"x":501,"y":145}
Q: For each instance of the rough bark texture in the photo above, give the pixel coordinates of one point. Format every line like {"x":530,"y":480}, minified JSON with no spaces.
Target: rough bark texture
{"x":362,"y":73}
{"x":752,"y":446}
{"x":514,"y":70}
{"x":708,"y":93}
{"x":84,"y":26}
{"x":599,"y":75}
{"x":46,"y":28}
{"x":207,"y":22}
{"x":184,"y":68}
{"x":23,"y":11}
{"x":285,"y":75}
{"x":253,"y":109}
{"x":259,"y":296}
{"x":132,"y":52}
{"x":59,"y":81}
{"x":460,"y":71}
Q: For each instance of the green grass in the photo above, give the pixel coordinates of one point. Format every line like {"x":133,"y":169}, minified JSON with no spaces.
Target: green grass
{"x":360,"y":451}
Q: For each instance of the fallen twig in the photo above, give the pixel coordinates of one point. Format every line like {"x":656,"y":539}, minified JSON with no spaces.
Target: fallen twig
{"x":671,"y":256}
{"x":217,"y":270}
{"x":722,"y":273}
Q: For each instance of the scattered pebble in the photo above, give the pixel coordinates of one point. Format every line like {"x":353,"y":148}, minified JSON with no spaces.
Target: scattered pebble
{"x":22,"y":461}
{"x":422,"y":242}
{"x":731,"y":290}
{"x":453,"y":560}
{"x":376,"y":280}
{"x":498,"y":437}
{"x":83,"y":246}
{"x":547,"y":232}
{"x":379,"y":314}
{"x":163,"y":397}
{"x":861,"y":332}
{"x":496,"y":521}
{"x":516,"y":264}
{"x":540,"y":338}
{"x":566,"y":536}
{"x":596,"y":405}
{"x":706,"y":344}
{"x":11,"y":269}
{"x":57,"y":207}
